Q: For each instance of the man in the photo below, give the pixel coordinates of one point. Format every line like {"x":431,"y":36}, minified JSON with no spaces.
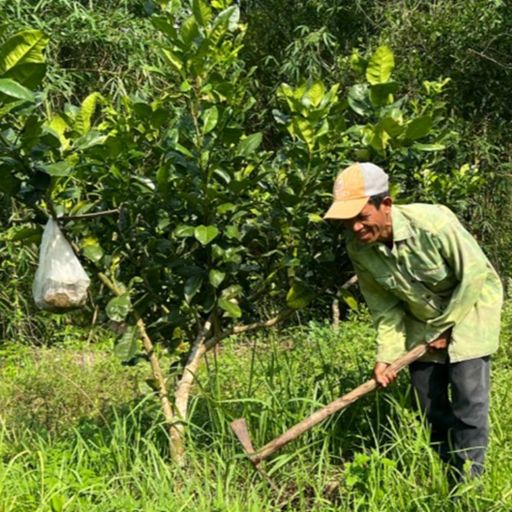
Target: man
{"x":425,"y":279}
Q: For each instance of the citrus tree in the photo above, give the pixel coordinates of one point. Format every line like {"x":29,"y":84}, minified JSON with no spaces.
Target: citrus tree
{"x":191,"y":250}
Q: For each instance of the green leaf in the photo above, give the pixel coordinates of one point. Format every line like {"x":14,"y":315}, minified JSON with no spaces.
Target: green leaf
{"x":31,"y":133}
{"x":428,"y":147}
{"x":82,"y":122}
{"x":57,"y":503}
{"x":57,"y":169}
{"x":216,"y":277}
{"x":391,"y":126}
{"x":225,"y":20}
{"x":299,"y":296}
{"x":93,"y":252}
{"x":234,"y":18}
{"x":205,"y":234}
{"x":233,"y":232}
{"x":183,"y":150}
{"x":162,"y":179}
{"x":314,"y":217}
{"x":127,"y":346}
{"x":349,"y":299}
{"x":210,"y":119}
{"x":192,"y":286}
{"x":314,"y":95}
{"x":11,"y":105}
{"x":25,"y":233}
{"x":249,"y":145}
{"x":231,"y":292}
{"x":226,"y":208}
{"x":184,"y":231}
{"x":418,"y":128}
{"x":189,"y":31}
{"x":379,"y":138}
{"x":224,"y":176}
{"x":305,"y":130}
{"x":9,"y":183}
{"x":59,"y":126}
{"x":118,"y":308}
{"x":202,"y":12}
{"x":90,"y":139}
{"x":231,"y":308}
{"x":173,"y":59}
{"x":382,"y":94}
{"x":380,"y":66}
{"x":13,"y":89}
{"x":164,"y":26}
{"x":357,"y":62}
{"x":22,"y":59}
{"x":358,"y":99}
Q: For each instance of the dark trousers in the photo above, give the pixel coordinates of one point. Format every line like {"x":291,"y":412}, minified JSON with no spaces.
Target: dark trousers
{"x":454,"y":397}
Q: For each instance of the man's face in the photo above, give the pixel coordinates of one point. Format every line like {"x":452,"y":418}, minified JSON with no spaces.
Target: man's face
{"x":372,"y":224}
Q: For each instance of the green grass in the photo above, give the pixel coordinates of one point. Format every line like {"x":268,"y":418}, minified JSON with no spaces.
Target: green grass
{"x":80,"y":432}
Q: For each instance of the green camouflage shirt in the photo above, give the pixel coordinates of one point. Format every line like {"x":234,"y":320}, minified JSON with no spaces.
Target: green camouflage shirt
{"x":435,"y":277}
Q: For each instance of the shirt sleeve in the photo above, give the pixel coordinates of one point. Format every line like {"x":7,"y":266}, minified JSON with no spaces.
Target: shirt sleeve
{"x":387,"y":314}
{"x":470,"y":267}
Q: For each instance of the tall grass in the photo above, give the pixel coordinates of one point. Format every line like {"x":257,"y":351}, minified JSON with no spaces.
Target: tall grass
{"x":373,"y":457}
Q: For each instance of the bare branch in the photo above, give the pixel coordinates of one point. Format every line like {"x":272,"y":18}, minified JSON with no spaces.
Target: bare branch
{"x":350,"y":282}
{"x":88,"y":215}
{"x":240,"y":329}
{"x":490,"y":59}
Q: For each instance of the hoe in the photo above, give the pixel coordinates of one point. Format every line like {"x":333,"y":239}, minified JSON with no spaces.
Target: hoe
{"x":239,"y":426}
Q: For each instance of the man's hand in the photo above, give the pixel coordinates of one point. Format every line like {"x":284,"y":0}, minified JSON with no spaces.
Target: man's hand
{"x":383,"y":377}
{"x":441,"y":342}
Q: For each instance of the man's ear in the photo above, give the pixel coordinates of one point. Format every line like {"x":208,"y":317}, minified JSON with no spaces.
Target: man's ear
{"x":387,"y":202}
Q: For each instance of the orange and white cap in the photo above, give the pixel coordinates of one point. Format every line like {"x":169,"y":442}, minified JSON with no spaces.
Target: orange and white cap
{"x":353,"y":187}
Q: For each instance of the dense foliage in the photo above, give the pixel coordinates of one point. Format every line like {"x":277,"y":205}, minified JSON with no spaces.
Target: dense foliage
{"x":77,"y":433}
{"x":212,"y":132}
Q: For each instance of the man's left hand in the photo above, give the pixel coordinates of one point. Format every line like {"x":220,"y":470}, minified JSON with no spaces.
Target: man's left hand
{"x":441,"y":342}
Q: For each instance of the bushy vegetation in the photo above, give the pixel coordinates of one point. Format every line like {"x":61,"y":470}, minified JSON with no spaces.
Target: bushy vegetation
{"x":98,"y":446}
{"x":94,"y":46}
{"x":210,"y":132}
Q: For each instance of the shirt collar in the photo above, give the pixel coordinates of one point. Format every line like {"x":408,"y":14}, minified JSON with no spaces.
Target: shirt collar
{"x":401,"y":225}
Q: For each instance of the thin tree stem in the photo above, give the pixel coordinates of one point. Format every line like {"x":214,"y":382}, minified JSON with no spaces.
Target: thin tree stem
{"x":88,"y":215}
{"x":175,"y":445}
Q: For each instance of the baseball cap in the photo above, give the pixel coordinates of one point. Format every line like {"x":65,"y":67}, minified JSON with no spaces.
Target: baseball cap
{"x":353,"y":187}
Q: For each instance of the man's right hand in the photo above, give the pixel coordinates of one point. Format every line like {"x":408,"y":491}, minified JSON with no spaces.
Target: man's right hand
{"x":382,"y":377}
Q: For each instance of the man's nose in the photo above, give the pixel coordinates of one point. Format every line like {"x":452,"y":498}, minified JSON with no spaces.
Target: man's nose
{"x":357,"y":226}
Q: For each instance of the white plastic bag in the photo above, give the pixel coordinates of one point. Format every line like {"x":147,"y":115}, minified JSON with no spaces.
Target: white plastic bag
{"x":60,"y":283}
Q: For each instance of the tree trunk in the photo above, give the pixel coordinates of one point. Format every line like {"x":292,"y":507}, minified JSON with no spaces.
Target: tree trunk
{"x":182,"y":393}
{"x":176,"y":448}
{"x":335,"y":313}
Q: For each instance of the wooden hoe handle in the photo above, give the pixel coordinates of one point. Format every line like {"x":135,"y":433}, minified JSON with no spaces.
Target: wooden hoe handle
{"x":240,"y":428}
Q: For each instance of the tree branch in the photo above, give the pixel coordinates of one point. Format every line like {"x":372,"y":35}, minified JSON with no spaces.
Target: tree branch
{"x":241,"y":329}
{"x":189,"y":372}
{"x":170,"y":419}
{"x":92,"y":215}
{"x":490,"y":59}
{"x":350,"y":282}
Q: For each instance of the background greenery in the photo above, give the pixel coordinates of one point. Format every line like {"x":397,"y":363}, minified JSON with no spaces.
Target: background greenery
{"x":79,"y":432}
{"x":217,"y":139}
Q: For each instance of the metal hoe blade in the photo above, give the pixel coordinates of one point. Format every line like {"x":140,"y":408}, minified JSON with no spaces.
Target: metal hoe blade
{"x":239,"y":427}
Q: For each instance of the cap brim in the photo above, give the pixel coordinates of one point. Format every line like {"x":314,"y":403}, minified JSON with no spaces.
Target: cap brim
{"x":346,"y":209}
